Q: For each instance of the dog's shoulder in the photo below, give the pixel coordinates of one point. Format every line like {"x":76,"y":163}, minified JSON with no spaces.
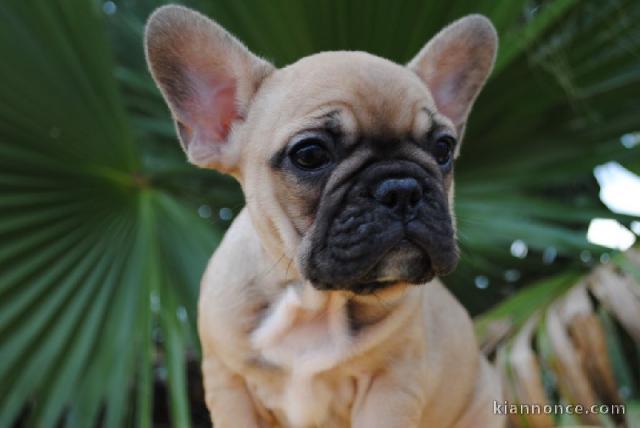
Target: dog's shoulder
{"x":447,"y":322}
{"x":234,"y":287}
{"x":237,"y":258}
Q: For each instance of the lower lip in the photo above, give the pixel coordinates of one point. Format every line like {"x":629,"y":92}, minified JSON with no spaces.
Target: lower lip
{"x":371,"y":287}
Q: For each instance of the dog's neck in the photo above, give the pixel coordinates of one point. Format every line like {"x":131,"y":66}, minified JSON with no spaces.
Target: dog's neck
{"x":308,"y":331}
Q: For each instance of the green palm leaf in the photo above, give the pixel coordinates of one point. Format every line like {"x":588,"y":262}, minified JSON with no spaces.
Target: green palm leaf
{"x":88,"y":241}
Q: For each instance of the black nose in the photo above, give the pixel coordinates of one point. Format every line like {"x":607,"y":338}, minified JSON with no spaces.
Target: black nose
{"x":402,"y":195}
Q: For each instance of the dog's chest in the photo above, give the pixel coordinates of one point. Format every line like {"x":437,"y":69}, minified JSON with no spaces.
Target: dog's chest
{"x":297,"y":401}
{"x":300,"y":342}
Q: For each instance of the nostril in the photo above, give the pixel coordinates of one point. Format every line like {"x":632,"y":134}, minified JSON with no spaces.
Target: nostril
{"x":398,"y":193}
{"x":416,"y":195}
{"x":390,"y":199}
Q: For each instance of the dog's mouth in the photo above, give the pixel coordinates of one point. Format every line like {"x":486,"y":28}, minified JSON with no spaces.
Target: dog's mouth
{"x":381,"y":252}
{"x":372,"y":287}
{"x":424,"y":273}
{"x":403,"y":262}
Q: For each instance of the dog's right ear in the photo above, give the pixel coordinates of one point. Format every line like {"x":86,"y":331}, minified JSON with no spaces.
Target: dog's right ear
{"x":208,"y":79}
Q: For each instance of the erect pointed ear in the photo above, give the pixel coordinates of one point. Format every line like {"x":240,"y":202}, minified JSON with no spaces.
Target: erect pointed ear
{"x":455,"y":64}
{"x":208,"y":79}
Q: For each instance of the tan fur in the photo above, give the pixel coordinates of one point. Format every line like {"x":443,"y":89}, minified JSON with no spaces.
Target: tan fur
{"x":276,"y":351}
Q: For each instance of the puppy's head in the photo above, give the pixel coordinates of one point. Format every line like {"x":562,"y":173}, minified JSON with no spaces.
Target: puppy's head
{"x":346,"y":159}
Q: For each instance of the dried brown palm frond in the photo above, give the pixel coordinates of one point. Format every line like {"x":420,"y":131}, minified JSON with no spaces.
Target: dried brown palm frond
{"x":571,"y":341}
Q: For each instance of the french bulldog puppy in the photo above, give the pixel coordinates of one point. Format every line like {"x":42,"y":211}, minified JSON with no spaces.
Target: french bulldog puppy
{"x":321,"y":306}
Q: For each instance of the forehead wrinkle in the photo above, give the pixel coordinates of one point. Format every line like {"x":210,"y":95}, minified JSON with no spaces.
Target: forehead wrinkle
{"x":323,"y":117}
{"x":443,"y":121}
{"x":423,"y":122}
{"x":391,"y":110}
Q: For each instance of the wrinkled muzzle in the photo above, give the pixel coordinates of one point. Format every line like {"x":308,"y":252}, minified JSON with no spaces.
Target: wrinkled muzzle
{"x":391,"y":224}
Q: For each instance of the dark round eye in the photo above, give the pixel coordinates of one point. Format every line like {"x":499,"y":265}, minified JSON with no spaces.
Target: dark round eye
{"x":310,"y":154}
{"x":443,"y":149}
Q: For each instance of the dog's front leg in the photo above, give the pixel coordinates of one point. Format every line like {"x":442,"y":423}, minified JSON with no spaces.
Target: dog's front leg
{"x":227,"y":397}
{"x":389,"y":400}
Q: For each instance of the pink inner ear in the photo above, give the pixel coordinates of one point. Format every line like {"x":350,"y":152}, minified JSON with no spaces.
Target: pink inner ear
{"x":448,"y":84}
{"x":223,"y":108}
{"x":444,"y":90}
{"x":211,"y":108}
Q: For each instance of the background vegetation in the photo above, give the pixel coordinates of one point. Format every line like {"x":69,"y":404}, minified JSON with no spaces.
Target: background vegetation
{"x":105,"y":229}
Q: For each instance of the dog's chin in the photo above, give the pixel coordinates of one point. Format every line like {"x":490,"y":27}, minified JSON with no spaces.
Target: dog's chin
{"x":405,"y":263}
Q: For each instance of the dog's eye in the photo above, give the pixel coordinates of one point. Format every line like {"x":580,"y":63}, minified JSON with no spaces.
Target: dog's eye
{"x":310,"y":153}
{"x":443,"y":149}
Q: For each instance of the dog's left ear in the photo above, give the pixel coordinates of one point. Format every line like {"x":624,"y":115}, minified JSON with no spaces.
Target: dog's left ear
{"x":455,"y":65}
